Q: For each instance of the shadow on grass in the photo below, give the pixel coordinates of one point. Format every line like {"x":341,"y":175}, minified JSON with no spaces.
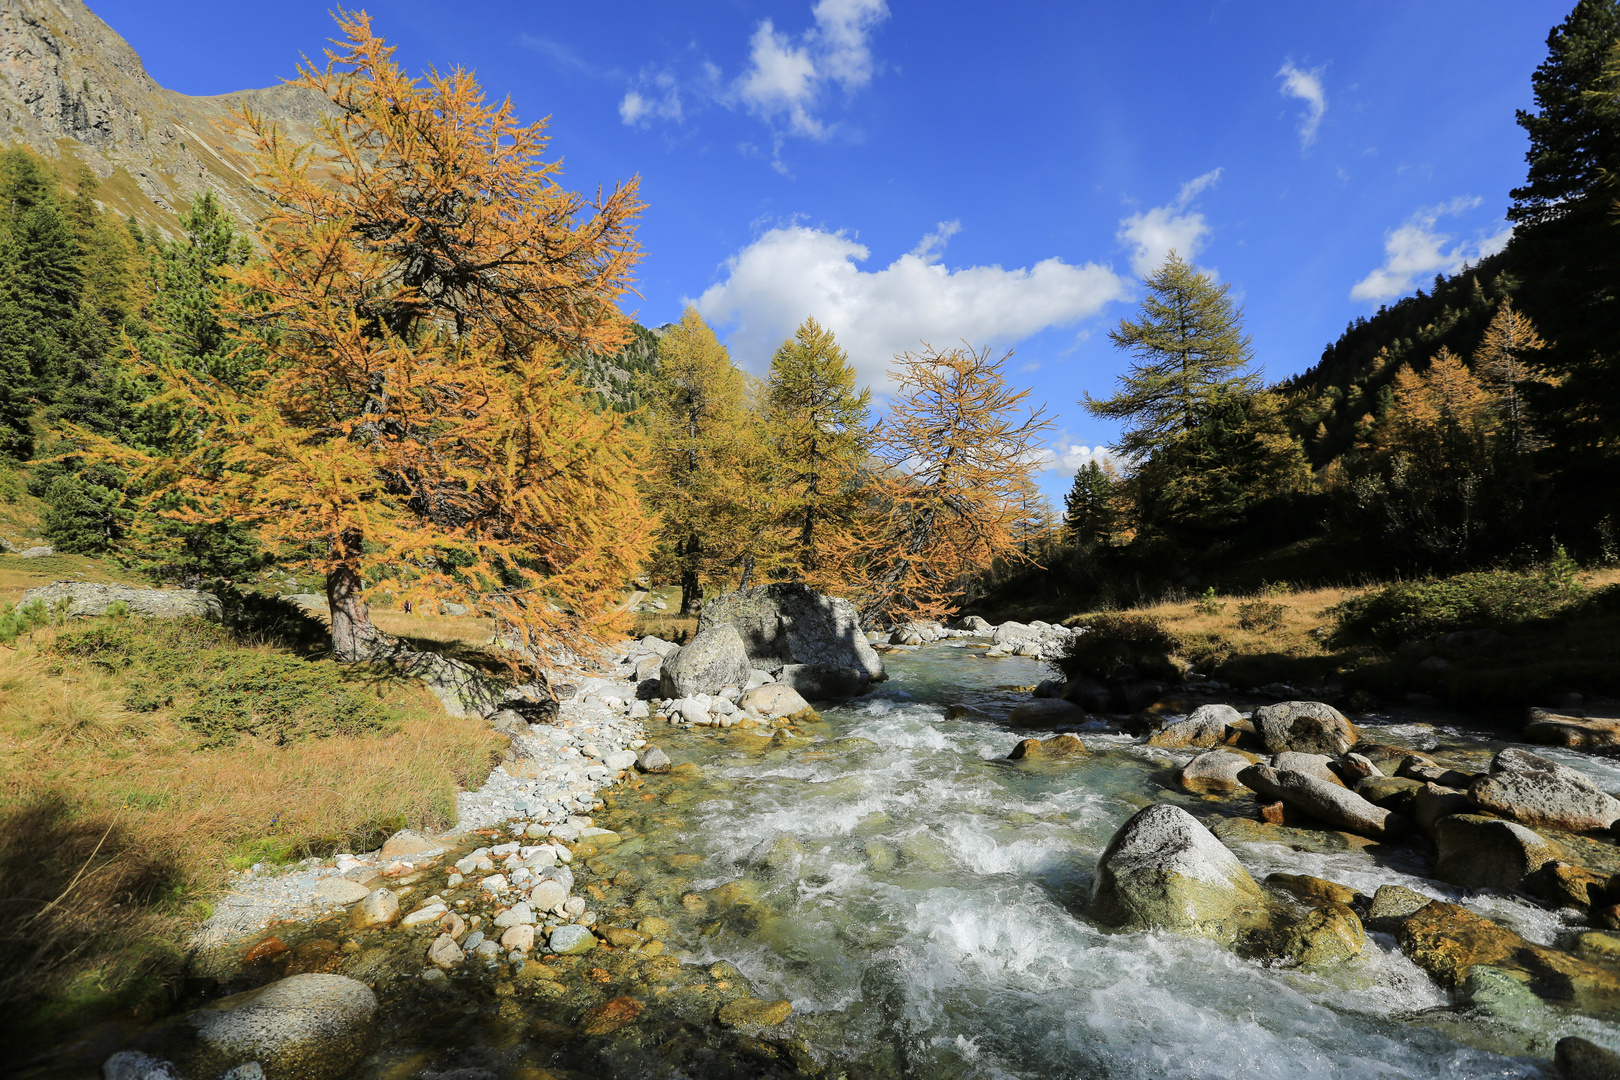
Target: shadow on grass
{"x":88,"y":915}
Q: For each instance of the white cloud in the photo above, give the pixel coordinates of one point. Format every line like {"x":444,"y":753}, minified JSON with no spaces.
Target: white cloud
{"x":931,"y":248}
{"x":1307,"y":87}
{"x":792,"y":272}
{"x":662,"y":100}
{"x":1153,"y":234}
{"x":1065,"y":458}
{"x":1416,"y":249}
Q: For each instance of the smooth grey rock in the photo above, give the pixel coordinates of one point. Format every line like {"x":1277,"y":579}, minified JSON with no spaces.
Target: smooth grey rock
{"x":1528,"y":788}
{"x":313,"y":1027}
{"x":86,"y":598}
{"x":1307,"y":726}
{"x":1045,"y":713}
{"x":1431,"y":802}
{"x":1163,"y":869}
{"x":340,"y":891}
{"x":444,"y":953}
{"x":653,"y":760}
{"x":773,"y":701}
{"x":516,"y":915}
{"x":1335,"y":805}
{"x":789,"y":623}
{"x":548,"y":896}
{"x":379,"y":908}
{"x":715,"y":657}
{"x":1205,"y":727}
{"x":406,"y":842}
{"x":571,"y":939}
{"x":44,"y":551}
{"x":1479,"y":852}
{"x":1316,"y":765}
{"x":519,"y":938}
{"x":648,"y":667}
{"x":1215,"y":772}
{"x":620,"y":760}
{"x":657,"y":645}
{"x":1013,"y":633}
{"x":975,"y":624}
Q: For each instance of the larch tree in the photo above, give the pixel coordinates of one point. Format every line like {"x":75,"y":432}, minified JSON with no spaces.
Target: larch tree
{"x":820,"y":425}
{"x":409,"y":425}
{"x":957,"y":454}
{"x":1187,"y":348}
{"x":1505,"y":361}
{"x":705,"y":445}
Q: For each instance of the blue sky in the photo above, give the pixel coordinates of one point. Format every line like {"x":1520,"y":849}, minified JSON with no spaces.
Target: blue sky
{"x":999,"y":172}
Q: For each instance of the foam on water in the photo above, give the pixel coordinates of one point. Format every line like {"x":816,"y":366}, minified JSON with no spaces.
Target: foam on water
{"x":935,"y":920}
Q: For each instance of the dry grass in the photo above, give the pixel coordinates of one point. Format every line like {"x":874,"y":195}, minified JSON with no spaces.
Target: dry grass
{"x":173,"y":818}
{"x":443,"y":629}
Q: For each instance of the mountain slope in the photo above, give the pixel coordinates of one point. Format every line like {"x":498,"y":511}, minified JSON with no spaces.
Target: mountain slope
{"x":73,"y":90}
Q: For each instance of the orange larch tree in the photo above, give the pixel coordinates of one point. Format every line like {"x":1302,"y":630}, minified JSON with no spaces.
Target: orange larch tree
{"x":958,"y":455}
{"x":411,"y":427}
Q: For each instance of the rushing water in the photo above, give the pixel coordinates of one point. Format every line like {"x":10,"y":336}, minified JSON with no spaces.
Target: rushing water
{"x":926,"y":911}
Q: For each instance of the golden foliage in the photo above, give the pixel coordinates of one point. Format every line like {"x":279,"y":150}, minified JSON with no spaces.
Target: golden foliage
{"x":954,"y":491}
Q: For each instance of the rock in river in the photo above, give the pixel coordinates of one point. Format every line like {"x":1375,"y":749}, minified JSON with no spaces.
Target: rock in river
{"x":1307,"y":726}
{"x":1045,"y":713}
{"x":817,"y":637}
{"x":309,"y":1027}
{"x":1327,"y":802}
{"x":1164,"y":869}
{"x":1058,"y":747}
{"x":1215,"y":772}
{"x":773,"y":701}
{"x":1205,"y":727}
{"x":1480,"y":852}
{"x":1527,"y":787}
{"x":715,"y":657}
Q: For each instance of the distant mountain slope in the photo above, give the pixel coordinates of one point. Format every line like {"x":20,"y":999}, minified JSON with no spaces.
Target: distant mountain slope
{"x":72,"y":89}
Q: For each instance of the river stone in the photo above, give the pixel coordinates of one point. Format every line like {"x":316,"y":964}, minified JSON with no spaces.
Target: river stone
{"x":1163,"y":869}
{"x":1391,"y":792}
{"x":773,"y":701}
{"x":715,"y":657}
{"x":134,"y":1065}
{"x":1205,"y":727}
{"x":653,"y":760}
{"x":610,"y":1016}
{"x":520,"y":938}
{"x":1358,"y":767}
{"x":1528,"y":788}
{"x":1487,"y":853}
{"x":747,"y":1012}
{"x":1431,"y":802}
{"x":444,"y":953}
{"x":1391,"y":905}
{"x":1215,"y":772}
{"x":817,"y":637}
{"x":1330,"y":934}
{"x":336,"y":890}
{"x":516,"y":915}
{"x":1448,"y":940}
{"x":379,"y":908}
{"x":1563,"y":884}
{"x":304,"y":1027}
{"x":1313,"y":890}
{"x":1058,"y":747}
{"x":86,"y":598}
{"x":572,"y":939}
{"x":1597,"y":734}
{"x":1582,"y":1059}
{"x":405,"y":842}
{"x":1327,"y":802}
{"x":1045,"y":713}
{"x":548,"y":896}
{"x":1307,"y":726}
{"x":1316,"y":765}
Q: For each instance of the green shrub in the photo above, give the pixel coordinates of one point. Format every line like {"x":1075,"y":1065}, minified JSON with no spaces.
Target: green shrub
{"x":11,"y":485}
{"x":1207,"y":604}
{"x":1259,"y":617}
{"x":16,"y":621}
{"x":1141,"y":641}
{"x":1410,"y":610}
{"x":222,"y":690}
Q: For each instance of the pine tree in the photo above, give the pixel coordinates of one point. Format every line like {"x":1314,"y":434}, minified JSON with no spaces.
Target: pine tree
{"x":705,"y":445}
{"x":819,"y":425}
{"x":1506,"y":362}
{"x":953,"y":492}
{"x":1090,"y":509}
{"x":1187,"y":347}
{"x":47,"y":266}
{"x":411,"y":426}
{"x":17,"y":386}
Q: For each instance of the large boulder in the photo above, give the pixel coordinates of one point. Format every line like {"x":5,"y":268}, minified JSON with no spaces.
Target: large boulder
{"x":1528,"y":788}
{"x":1163,"y":869}
{"x":816,"y":639}
{"x":1204,"y":728}
{"x":1595,"y":734}
{"x":1307,"y":726}
{"x":1480,"y":852}
{"x":304,"y":1027}
{"x":84,"y":598}
{"x":1045,"y":713}
{"x":773,"y":701}
{"x":715,"y":657}
{"x":1337,"y":806}
{"x":1215,"y":772}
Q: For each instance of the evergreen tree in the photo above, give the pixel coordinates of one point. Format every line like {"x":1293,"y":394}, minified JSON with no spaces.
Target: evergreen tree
{"x":47,"y":266}
{"x":1090,"y":509}
{"x":16,"y":369}
{"x":819,"y":425}
{"x":1187,"y":348}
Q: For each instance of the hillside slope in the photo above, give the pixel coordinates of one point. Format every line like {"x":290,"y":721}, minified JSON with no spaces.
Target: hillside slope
{"x":73,"y":90}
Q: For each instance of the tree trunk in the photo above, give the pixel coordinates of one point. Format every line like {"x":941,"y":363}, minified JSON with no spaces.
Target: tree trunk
{"x":748,"y":571}
{"x":353,"y":636}
{"x":691,"y":593}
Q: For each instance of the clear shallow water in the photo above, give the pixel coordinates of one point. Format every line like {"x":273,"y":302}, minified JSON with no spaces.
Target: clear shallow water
{"x":927,"y":913}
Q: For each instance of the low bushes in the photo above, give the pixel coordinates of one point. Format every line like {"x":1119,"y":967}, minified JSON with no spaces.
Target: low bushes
{"x":1410,"y":610}
{"x":1113,"y":639}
